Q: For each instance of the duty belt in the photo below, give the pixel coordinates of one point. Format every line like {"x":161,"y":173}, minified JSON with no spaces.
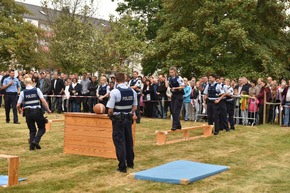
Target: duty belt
{"x":11,"y":93}
{"x":121,"y":117}
{"x":28,"y":110}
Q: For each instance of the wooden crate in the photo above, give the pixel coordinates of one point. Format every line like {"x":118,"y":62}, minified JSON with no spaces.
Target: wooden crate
{"x":89,"y":134}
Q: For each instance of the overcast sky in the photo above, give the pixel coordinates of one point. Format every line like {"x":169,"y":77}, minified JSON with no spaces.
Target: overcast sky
{"x":105,"y":7}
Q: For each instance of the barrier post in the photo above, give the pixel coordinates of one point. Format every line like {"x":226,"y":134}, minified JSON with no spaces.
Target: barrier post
{"x":265,"y":108}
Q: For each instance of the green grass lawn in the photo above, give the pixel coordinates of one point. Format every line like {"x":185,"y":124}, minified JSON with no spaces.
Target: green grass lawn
{"x":259,"y":158}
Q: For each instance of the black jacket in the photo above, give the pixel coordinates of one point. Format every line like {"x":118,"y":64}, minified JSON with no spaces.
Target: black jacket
{"x":78,"y":89}
{"x":93,"y":86}
{"x":58,"y":87}
{"x":150,"y":91}
{"x":161,"y":88}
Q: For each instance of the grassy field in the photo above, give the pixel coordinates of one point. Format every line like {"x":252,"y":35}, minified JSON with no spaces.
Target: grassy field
{"x":258,"y":158}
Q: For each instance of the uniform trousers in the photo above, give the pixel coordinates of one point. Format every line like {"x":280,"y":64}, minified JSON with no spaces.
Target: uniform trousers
{"x":10,"y":101}
{"x":123,"y":141}
{"x":213,"y":115}
{"x":223,"y":115}
{"x":176,"y":104}
{"x":231,"y":112}
{"x":137,"y":112}
{"x":35,"y":116}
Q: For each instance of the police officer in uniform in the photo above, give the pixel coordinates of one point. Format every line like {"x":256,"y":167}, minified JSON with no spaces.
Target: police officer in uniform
{"x":31,"y":98}
{"x":136,"y":84}
{"x":121,"y":106}
{"x":103,"y":91}
{"x":230,"y":101}
{"x":213,"y":95}
{"x":176,"y":86}
{"x":12,"y":86}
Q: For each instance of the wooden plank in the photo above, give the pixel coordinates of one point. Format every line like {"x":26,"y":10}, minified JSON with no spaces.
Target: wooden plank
{"x":8,"y":156}
{"x":90,"y":137}
{"x":187,"y":128}
{"x":90,"y":143}
{"x":85,"y":133}
{"x":56,"y":120}
{"x":69,"y":128}
{"x":161,"y":136}
{"x":207,"y":131}
{"x":194,"y":127}
{"x":186,"y":135}
{"x":13,"y":169}
{"x":88,"y":122}
{"x":48,"y":126}
{"x":94,"y":154}
{"x":80,"y":150}
{"x":90,"y":148}
{"x":86,"y":115}
{"x":79,"y":138}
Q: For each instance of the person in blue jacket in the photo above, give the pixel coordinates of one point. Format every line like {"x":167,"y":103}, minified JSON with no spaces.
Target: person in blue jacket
{"x":186,"y":99}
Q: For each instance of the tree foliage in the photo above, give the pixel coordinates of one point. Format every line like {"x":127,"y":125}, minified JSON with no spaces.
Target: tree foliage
{"x":18,"y":39}
{"x":70,"y":46}
{"x":148,"y":12}
{"x":120,"y":45}
{"x":227,"y":37}
{"x":82,"y":43}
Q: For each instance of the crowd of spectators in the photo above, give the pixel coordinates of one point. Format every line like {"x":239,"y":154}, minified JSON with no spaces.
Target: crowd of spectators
{"x":74,"y":93}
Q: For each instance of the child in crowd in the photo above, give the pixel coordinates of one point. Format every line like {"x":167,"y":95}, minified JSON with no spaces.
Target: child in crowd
{"x":244,"y":107}
{"x":253,"y":110}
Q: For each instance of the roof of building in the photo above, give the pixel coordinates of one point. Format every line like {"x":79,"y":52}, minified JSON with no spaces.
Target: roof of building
{"x":39,"y":13}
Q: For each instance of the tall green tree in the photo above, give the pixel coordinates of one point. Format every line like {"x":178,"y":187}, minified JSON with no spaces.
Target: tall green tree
{"x":18,"y":39}
{"x":148,"y":12}
{"x":227,"y":37}
{"x":70,"y":46}
{"x":119,"y":46}
{"x":82,"y":43}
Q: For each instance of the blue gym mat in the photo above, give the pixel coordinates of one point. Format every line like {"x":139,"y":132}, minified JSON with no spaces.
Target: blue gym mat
{"x":180,"y":172}
{"x":4,"y":180}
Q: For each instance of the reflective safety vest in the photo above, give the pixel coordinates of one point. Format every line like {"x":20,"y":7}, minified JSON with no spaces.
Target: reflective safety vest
{"x":212,"y":93}
{"x":103,"y":90}
{"x":31,"y":98}
{"x":132,"y":83}
{"x":126,"y":103}
{"x":173,"y":82}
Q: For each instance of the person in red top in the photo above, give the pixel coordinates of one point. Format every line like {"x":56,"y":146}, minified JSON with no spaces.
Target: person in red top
{"x":260,"y":97}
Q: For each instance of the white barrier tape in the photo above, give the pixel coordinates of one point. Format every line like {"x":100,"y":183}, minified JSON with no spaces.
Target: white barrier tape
{"x":71,"y":96}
